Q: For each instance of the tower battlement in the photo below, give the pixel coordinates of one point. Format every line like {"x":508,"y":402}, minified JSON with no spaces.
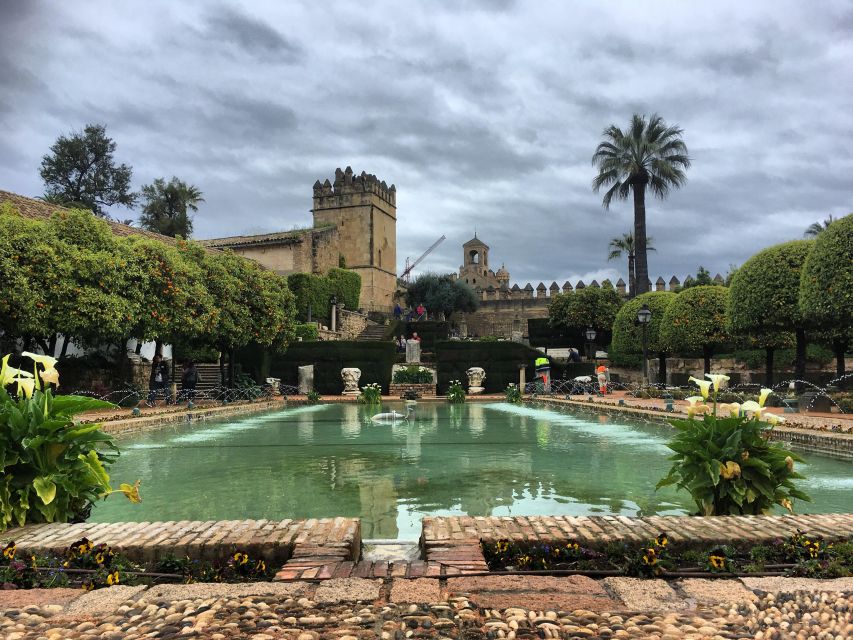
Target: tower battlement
{"x":348,"y":184}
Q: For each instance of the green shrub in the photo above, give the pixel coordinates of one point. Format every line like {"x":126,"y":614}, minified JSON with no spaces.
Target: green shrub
{"x":513,"y":394}
{"x":455,"y":392}
{"x":316,"y":291}
{"x":307,"y":331}
{"x":51,"y":468}
{"x":500,"y":360}
{"x":370,"y":394}
{"x":729,"y":466}
{"x":375,"y":360}
{"x":413,"y":375}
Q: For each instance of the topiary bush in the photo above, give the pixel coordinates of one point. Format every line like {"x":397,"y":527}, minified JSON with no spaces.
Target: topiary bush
{"x":696,"y":321}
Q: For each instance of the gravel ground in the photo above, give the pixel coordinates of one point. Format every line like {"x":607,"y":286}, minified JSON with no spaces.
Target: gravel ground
{"x":799,"y":615}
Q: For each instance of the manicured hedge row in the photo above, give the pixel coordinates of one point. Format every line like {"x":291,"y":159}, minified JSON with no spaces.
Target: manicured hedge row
{"x":430,"y":332}
{"x":375,"y":360}
{"x":542,"y":334}
{"x":309,"y":288}
{"x":499,"y":359}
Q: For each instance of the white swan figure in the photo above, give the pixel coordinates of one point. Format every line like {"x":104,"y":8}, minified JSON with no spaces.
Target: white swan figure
{"x":393,"y":416}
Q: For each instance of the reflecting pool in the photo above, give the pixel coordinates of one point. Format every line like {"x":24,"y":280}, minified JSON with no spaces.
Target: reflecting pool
{"x":476,"y":459}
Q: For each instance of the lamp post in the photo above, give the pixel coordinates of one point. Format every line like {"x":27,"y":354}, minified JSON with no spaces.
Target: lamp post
{"x":644,"y":316}
{"x":590,"y":336}
{"x":333,"y":301}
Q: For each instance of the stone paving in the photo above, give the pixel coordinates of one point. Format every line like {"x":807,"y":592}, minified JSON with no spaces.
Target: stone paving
{"x":465,"y":608}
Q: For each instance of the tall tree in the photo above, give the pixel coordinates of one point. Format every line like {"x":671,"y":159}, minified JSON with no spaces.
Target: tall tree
{"x":649,"y":154}
{"x":816,"y":228}
{"x":80,"y":172}
{"x":441,"y":294}
{"x":167,"y":206}
{"x":696,"y":321}
{"x":625,"y":245}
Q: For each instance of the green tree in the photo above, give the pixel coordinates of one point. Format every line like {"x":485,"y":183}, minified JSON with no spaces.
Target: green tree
{"x":441,"y":294}
{"x":628,"y":333}
{"x":625,"y":245}
{"x":696,"y":321}
{"x":703,"y":279}
{"x":648,"y":155}
{"x":826,"y":286}
{"x":590,"y":307}
{"x":764,"y":301}
{"x":816,"y":228}
{"x":80,"y":171}
{"x":167,"y":205}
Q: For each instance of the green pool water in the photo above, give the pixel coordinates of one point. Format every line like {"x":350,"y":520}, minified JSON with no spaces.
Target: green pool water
{"x":475,"y":459}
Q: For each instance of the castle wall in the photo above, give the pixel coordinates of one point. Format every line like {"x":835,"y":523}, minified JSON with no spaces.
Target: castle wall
{"x":501,"y":317}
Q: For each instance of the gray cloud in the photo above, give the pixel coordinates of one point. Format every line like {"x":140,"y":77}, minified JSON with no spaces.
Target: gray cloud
{"x":484,"y":115}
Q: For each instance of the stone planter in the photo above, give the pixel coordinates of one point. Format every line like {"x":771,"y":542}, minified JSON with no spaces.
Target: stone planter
{"x":425,"y":390}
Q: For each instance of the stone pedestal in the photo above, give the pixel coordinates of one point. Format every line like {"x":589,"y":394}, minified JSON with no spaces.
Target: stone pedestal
{"x":476,"y":375}
{"x":275,"y":385}
{"x":306,"y":379}
{"x":413,"y":351}
{"x":350,"y":376}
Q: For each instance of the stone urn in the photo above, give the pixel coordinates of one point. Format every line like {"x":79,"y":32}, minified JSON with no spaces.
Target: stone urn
{"x":350,"y":376}
{"x":476,"y":375}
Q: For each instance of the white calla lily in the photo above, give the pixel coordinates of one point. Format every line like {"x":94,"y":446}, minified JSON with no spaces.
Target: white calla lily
{"x":717,"y":379}
{"x":704,"y":386}
{"x":752,"y":407}
{"x":772,"y":418}
{"x":734,"y":409}
{"x":762,"y":397}
{"x":25,"y":386}
{"x":694,"y":408}
{"x":8,"y":374}
{"x":49,"y":362}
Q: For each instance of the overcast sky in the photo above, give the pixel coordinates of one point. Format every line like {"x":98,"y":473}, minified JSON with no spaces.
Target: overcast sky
{"x":484,"y":114}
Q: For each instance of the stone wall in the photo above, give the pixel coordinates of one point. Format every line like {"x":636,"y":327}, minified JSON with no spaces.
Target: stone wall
{"x":501,"y":317}
{"x":425,"y":390}
{"x":351,"y":324}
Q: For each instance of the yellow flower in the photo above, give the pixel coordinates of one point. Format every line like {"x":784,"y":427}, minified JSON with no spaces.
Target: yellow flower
{"x":753,"y":407}
{"x":113,"y":578}
{"x":662,"y":540}
{"x":789,"y":463}
{"x":704,"y":386}
{"x":132,"y":492}
{"x":25,"y":386}
{"x":717,"y":379}
{"x":693,"y":408}
{"x":730,"y":470}
{"x":733,"y":409}
{"x":787,"y":504}
{"x":762,"y":397}
{"x":88,"y":586}
{"x":50,"y":376}
{"x":745,"y":455}
{"x":8,"y":374}
{"x":9,"y":551}
{"x":717,"y":562}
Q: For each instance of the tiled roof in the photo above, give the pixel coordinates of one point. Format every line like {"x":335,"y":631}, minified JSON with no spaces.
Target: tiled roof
{"x":280,"y":237}
{"x":41,"y":210}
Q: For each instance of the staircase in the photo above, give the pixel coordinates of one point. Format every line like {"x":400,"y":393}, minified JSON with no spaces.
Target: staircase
{"x":209,"y":372}
{"x":373,"y":333}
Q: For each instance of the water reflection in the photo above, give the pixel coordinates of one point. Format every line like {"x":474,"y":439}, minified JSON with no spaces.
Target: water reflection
{"x":477,"y":459}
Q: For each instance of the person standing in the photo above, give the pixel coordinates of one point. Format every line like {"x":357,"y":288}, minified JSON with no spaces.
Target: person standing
{"x":420,"y":312}
{"x":158,"y":380}
{"x":190,"y":377}
{"x":398,"y":311}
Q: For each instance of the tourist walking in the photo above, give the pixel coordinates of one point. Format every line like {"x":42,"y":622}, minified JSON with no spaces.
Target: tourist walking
{"x":189,"y":380}
{"x":420,"y":312}
{"x":158,"y":380}
{"x":398,"y":311}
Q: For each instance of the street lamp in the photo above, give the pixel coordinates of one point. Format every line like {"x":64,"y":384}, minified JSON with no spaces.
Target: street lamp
{"x":590,"y":336}
{"x":644,"y":316}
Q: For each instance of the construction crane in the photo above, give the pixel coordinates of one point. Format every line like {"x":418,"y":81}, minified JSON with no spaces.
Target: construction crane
{"x":411,"y":265}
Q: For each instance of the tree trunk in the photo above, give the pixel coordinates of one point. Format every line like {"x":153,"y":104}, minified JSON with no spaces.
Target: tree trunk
{"x":800,"y":361}
{"x":44,"y":346}
{"x":632,"y":278}
{"x":662,"y":368}
{"x":222,"y":367}
{"x":231,"y":367}
{"x":839,"y":347}
{"x":66,"y":340}
{"x":641,"y":265}
{"x":707,"y":352}
{"x":158,"y":347}
{"x":768,"y":367}
{"x":52,"y":345}
{"x":138,"y":349}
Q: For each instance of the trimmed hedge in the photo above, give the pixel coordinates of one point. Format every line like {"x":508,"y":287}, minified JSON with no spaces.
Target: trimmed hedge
{"x":430,"y":332}
{"x":375,"y":360}
{"x":309,"y":288}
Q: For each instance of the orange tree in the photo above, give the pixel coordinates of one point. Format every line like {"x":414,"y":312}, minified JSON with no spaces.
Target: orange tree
{"x":628,"y":333}
{"x":826,"y":286}
{"x":696,"y":321}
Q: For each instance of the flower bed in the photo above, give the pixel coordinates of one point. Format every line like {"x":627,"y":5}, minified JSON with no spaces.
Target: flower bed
{"x":799,"y":555}
{"x":419,"y":390}
{"x":91,"y":566}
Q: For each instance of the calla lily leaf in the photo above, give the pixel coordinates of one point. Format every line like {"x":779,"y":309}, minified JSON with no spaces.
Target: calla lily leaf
{"x":45,"y":488}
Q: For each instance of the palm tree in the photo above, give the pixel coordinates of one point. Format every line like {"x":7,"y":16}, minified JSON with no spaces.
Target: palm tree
{"x":167,"y":207}
{"x":649,"y":154}
{"x":816,"y":228}
{"x":626,"y":244}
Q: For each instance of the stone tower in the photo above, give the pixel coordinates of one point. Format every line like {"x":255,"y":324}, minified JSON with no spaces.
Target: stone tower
{"x":475,"y":266}
{"x":364,"y":210}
